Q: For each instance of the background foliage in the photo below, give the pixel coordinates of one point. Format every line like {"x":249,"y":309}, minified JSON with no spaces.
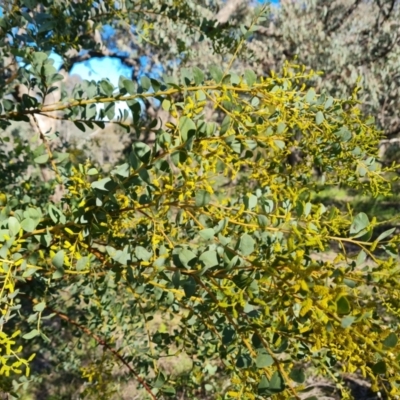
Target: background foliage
{"x":201,"y":240}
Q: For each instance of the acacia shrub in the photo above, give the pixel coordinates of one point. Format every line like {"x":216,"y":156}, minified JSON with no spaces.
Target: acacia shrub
{"x":211,"y":224}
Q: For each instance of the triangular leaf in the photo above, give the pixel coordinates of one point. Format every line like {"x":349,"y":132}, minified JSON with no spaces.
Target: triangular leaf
{"x":391,"y":340}
{"x":276,"y":384}
{"x":343,"y":306}
{"x":58,"y":259}
{"x":130,"y":86}
{"x":379,"y":367}
{"x":297,"y":375}
{"x":189,"y":286}
{"x":82,"y":263}
{"x":243,"y":361}
{"x":228,"y":335}
{"x":263,"y":359}
{"x":310,"y":95}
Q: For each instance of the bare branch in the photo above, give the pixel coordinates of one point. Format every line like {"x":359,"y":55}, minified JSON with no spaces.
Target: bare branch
{"x":344,"y":17}
{"x":130,"y":62}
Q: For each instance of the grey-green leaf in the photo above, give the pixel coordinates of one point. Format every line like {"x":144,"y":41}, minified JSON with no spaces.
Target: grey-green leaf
{"x":40,"y":306}
{"x":202,"y":198}
{"x":262,"y":221}
{"x":28,"y":224}
{"x":319,"y":118}
{"x":250,"y":76}
{"x":250,"y":201}
{"x":130,"y":86}
{"x":187,"y":128}
{"x":33,"y":333}
{"x":41,"y":159}
{"x":359,"y":223}
{"x":58,"y":259}
{"x":385,"y":234}
{"x":198,"y":75}
{"x":328,"y":103}
{"x":186,"y":256}
{"x":263,"y":359}
{"x":216,"y":73}
{"x":247,"y":244}
{"x":343,"y":306}
{"x":145,"y":82}
{"x":107,"y":87}
{"x":142,"y":254}
{"x":347,"y":321}
{"x":189,"y":287}
{"x":297,"y":375}
{"x":13,"y":226}
{"x":310,"y":95}
{"x":391,"y":340}
{"x":207,"y":234}
{"x":160,"y":380}
{"x":101,"y":184}
{"x":276,"y":384}
{"x":82,"y":263}
{"x":209,"y":258}
{"x":39,"y":57}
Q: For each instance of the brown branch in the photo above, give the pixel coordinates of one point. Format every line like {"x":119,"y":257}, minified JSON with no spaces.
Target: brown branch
{"x":392,"y":133}
{"x":126,"y":60}
{"x":383,"y":54}
{"x":386,"y":14}
{"x":344,"y":17}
